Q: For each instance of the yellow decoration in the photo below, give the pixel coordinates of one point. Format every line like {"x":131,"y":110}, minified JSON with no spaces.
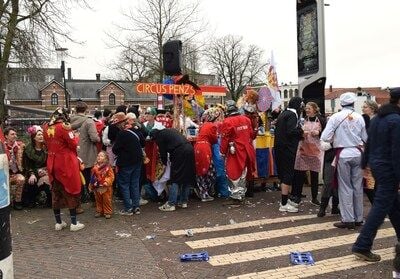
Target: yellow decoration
{"x":51,"y":132}
{"x":187,"y":107}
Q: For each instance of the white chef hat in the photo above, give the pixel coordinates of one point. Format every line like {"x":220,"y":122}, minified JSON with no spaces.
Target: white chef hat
{"x":347,"y":98}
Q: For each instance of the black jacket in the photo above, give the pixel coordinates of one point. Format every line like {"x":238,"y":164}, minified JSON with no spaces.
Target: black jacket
{"x":383,"y":148}
{"x":128,"y":148}
{"x":288,"y":133}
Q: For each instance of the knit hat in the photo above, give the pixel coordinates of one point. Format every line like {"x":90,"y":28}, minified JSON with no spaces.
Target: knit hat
{"x":33,"y":130}
{"x":211,"y":114}
{"x":347,"y":99}
{"x":395,"y":92}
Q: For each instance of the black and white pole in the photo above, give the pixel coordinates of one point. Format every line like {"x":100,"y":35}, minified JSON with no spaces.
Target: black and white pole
{"x":6,"y":259}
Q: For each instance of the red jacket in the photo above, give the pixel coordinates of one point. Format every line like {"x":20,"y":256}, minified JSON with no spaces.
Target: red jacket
{"x":238,"y":129}
{"x":62,"y":160}
{"x":202,"y":149}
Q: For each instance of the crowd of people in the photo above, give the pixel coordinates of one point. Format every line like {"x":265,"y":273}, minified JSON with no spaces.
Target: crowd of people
{"x":143,"y":155}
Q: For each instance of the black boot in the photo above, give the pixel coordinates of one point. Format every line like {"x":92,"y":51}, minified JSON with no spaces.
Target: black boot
{"x":335,"y":205}
{"x":323,"y":206}
{"x":17,"y":205}
{"x":250,"y":189}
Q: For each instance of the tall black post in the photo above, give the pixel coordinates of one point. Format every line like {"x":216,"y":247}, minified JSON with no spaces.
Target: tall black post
{"x":65,"y":84}
{"x":6,"y":260}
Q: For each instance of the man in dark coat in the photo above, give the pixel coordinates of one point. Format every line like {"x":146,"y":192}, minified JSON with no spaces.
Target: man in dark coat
{"x":383,"y":153}
{"x":288,"y":133}
{"x":128,"y":149}
{"x":181,"y":156}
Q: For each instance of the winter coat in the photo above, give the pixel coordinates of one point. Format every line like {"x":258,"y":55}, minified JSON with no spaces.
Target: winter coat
{"x":88,"y":137}
{"x":383,"y":148}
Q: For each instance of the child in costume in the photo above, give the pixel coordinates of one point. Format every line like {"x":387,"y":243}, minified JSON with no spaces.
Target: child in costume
{"x":101,"y":182}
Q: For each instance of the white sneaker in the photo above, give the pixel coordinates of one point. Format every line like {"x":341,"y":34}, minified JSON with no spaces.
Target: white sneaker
{"x":292,"y":203}
{"x":182,"y":205}
{"x":77,"y":227}
{"x":167,"y":207}
{"x":288,"y":208}
{"x":143,"y":201}
{"x":59,"y":227}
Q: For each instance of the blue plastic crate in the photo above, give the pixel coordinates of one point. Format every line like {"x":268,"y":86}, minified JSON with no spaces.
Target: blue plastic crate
{"x":301,"y":258}
{"x":202,"y":256}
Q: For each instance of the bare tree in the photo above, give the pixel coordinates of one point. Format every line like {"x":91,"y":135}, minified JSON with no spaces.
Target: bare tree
{"x":235,"y":64}
{"x":30,"y":30}
{"x":150,"y":25}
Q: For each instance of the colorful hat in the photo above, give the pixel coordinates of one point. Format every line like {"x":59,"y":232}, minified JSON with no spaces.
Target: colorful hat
{"x":151,"y":111}
{"x":211,"y":114}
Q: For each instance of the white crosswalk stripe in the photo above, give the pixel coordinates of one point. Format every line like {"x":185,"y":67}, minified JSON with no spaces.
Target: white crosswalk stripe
{"x":228,"y":236}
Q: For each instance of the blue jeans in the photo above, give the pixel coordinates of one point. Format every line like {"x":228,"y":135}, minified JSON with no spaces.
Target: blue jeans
{"x":150,"y":192}
{"x":182,"y":190}
{"x":386,"y":202}
{"x":128,"y":183}
{"x":219,"y":164}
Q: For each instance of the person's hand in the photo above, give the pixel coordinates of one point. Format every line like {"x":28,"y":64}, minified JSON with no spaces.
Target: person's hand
{"x":32,"y":179}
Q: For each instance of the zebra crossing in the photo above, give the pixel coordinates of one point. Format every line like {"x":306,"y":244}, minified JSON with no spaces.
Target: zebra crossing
{"x":216,"y":239}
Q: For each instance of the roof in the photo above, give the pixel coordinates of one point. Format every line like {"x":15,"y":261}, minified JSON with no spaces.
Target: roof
{"x":20,"y":90}
{"x":381,"y":95}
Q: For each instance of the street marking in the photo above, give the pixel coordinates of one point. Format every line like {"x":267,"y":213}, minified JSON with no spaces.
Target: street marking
{"x":270,"y":252}
{"x":319,"y":268}
{"x":255,"y":223}
{"x":248,"y":237}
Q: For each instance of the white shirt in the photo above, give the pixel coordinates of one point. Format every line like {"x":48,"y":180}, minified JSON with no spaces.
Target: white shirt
{"x":348,"y":134}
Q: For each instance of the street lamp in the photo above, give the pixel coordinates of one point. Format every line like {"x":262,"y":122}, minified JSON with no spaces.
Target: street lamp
{"x":62,"y":51}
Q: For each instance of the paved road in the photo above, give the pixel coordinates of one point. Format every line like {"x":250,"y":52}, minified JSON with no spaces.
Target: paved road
{"x":244,"y":241}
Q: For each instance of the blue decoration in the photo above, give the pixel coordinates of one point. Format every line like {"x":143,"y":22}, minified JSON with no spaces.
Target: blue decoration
{"x":202,"y":256}
{"x":168,"y":80}
{"x":301,"y":258}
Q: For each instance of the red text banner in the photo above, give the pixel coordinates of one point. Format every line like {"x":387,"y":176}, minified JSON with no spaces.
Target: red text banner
{"x":178,"y":89}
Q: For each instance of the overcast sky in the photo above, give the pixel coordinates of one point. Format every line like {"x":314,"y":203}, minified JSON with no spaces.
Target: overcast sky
{"x":362,"y":41}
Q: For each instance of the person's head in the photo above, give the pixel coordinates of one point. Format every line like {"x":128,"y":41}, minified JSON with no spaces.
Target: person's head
{"x":121,"y":108}
{"x":211,"y":115}
{"x":231,"y":108}
{"x":348,"y":99}
{"x":119,"y":120}
{"x":311,"y":109}
{"x":134,"y":109}
{"x":370,"y":107}
{"x":150,"y":113}
{"x":296,"y":103}
{"x":10,"y":134}
{"x":97,"y":114}
{"x":59,"y":115}
{"x":395,"y":96}
{"x":81,"y":107}
{"x":102,"y":158}
{"x":106,"y":112}
{"x":130,"y":120}
{"x":36,"y":133}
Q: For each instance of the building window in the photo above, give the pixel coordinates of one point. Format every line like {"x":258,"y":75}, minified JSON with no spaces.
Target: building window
{"x":290,"y":93}
{"x":296,"y":93}
{"x":54,"y":99}
{"x":285,"y":94}
{"x":111,"y":99}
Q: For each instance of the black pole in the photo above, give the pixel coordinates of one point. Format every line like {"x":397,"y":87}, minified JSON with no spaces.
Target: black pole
{"x":6,"y":262}
{"x":65,"y":84}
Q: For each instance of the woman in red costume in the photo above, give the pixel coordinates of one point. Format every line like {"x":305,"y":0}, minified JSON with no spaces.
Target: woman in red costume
{"x":63,"y":168}
{"x":205,"y":171}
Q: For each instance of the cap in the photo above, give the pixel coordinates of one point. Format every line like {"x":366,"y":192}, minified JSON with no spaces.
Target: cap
{"x":151,"y":111}
{"x":347,"y":98}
